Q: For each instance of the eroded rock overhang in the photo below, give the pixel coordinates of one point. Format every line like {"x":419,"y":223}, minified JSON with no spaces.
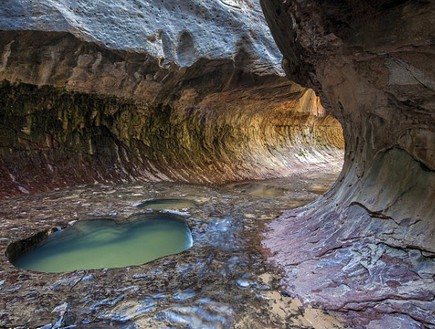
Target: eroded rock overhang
{"x":367,"y":247}
{"x":83,"y":102}
{"x":174,"y":32}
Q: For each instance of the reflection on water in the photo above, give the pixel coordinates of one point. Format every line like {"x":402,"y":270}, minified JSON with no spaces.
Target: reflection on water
{"x":104,"y":243}
{"x":161,"y":204}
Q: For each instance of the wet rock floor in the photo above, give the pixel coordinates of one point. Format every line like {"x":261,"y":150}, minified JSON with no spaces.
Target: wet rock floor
{"x":223,"y":281}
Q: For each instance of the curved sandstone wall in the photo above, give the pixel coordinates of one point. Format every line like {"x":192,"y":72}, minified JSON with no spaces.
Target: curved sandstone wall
{"x":75,"y":112}
{"x":366,"y":248}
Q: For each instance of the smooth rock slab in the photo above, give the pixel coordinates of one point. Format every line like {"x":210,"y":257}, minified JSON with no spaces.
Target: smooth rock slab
{"x":198,"y":285}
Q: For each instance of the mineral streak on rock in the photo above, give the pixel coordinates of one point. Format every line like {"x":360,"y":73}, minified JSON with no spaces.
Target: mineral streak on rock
{"x":74,"y":111}
{"x":367,"y":247}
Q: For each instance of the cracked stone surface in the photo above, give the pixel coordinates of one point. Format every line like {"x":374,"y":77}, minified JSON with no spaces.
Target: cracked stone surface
{"x":223,"y":281}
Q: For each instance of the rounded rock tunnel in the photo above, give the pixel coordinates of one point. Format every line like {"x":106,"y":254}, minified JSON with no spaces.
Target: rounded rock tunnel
{"x":212,"y":122}
{"x":79,"y":108}
{"x":74,"y":111}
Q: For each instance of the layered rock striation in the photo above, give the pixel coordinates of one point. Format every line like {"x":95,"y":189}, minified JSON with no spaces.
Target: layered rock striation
{"x":152,"y":91}
{"x":367,"y":247}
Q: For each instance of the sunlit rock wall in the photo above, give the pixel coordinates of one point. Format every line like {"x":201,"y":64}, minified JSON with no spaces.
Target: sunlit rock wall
{"x":366,"y":248}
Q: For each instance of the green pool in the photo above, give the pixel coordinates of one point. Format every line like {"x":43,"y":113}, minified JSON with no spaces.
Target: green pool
{"x":105,"y":243}
{"x":161,"y":204}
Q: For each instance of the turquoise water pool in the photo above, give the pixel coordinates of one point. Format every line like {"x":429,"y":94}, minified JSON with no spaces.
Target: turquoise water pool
{"x":105,"y":243}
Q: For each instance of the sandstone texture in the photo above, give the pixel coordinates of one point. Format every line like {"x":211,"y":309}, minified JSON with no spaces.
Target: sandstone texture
{"x":367,"y":247}
{"x":155,"y":91}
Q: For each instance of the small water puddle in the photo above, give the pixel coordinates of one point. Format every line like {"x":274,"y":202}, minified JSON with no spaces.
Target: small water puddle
{"x":106,"y":243}
{"x":161,"y":204}
{"x":258,"y":189}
